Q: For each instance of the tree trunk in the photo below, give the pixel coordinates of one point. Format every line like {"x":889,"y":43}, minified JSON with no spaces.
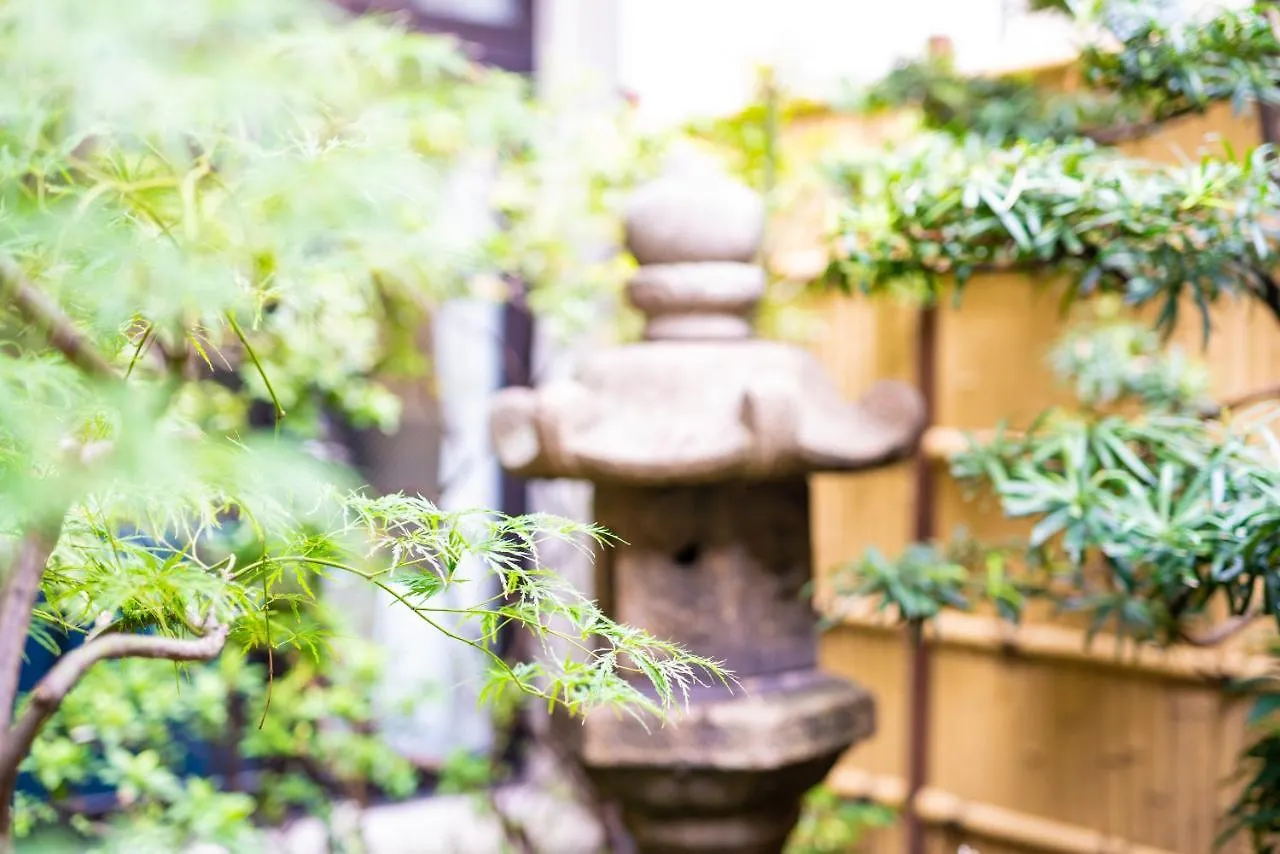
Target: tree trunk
{"x":8,"y":787}
{"x":18,"y":594}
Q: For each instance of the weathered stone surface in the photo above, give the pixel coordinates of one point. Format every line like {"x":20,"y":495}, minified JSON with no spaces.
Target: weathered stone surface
{"x":699,"y":442}
{"x":701,"y":401}
{"x":691,"y":810}
{"x":713,"y":286}
{"x":727,"y":775}
{"x":737,"y":551}
{"x":693,"y":213}
{"x":668,"y":412}
{"x":707,"y":301}
{"x":765,"y":724}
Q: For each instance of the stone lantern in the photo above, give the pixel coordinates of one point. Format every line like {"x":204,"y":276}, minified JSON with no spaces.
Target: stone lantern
{"x":699,"y":441}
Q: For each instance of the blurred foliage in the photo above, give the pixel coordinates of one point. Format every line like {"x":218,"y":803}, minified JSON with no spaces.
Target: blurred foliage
{"x":929,"y":578}
{"x":210,"y":204}
{"x":1151,"y":513}
{"x":1141,"y":520}
{"x":1151,"y":510}
{"x":752,"y":144}
{"x":830,"y":824}
{"x":1110,"y":362}
{"x":750,"y":138}
{"x":1144,"y":64}
{"x":1154,"y":524}
{"x":1170,"y":66}
{"x":943,"y":210}
{"x":318,"y":179}
{"x":131,"y":726}
{"x":1255,"y":813}
{"x":998,"y":109}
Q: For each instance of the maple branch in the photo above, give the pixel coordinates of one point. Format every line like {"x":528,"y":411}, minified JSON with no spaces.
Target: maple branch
{"x":40,"y":311}
{"x":58,"y":682}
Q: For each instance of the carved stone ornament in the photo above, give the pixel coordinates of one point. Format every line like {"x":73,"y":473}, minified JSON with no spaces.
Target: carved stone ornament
{"x":699,"y":400}
{"x":699,"y":440}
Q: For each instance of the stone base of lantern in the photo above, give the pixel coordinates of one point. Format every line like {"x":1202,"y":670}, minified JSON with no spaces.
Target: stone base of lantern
{"x":728,"y":773}
{"x":700,"y":442}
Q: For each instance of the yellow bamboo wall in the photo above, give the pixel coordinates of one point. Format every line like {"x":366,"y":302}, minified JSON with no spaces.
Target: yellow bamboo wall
{"x":1036,"y":744}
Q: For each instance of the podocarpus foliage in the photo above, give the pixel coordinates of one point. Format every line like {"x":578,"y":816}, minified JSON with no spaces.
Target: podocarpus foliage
{"x":1151,"y":508}
{"x":207,"y":203}
{"x":1151,"y":511}
{"x":1143,"y":64}
{"x":1013,"y":178}
{"x":941,"y":210}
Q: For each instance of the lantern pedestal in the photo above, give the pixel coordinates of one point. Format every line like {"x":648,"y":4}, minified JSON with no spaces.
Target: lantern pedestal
{"x":728,"y":773}
{"x":699,"y":442}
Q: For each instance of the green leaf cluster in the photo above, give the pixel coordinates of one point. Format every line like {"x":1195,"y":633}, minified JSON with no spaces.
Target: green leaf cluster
{"x":1151,"y":511}
{"x":1153,"y":523}
{"x":274,"y":186}
{"x":131,"y":723}
{"x":941,"y":210}
{"x":1144,"y":65}
{"x":830,"y":824}
{"x":216,"y":203}
{"x":1175,"y":67}
{"x":1255,"y":813}
{"x":1142,"y":521}
{"x":998,"y":109}
{"x":1112,"y":363}
{"x":927,"y":579}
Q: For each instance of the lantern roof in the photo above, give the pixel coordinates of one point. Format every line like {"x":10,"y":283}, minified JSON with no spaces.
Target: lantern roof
{"x":700,"y":399}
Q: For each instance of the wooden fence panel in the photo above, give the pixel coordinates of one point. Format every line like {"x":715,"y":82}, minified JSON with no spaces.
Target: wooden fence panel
{"x":1106,"y":753}
{"x":1037,"y":743}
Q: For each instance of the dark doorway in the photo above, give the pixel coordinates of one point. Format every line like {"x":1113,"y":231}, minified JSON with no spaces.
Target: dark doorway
{"x":498,"y":32}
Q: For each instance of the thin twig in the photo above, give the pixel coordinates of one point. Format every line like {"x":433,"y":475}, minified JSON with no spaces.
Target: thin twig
{"x":1130,"y":131}
{"x":1221,"y":632}
{"x":271,"y":659}
{"x":275,"y":401}
{"x":521,"y":684}
{"x":138,"y":351}
{"x":399,"y":597}
{"x":1269,"y":392}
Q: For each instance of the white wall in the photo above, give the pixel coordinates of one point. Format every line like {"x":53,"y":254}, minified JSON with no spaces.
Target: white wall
{"x":438,"y":676}
{"x":685,"y":58}
{"x":575,"y":54}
